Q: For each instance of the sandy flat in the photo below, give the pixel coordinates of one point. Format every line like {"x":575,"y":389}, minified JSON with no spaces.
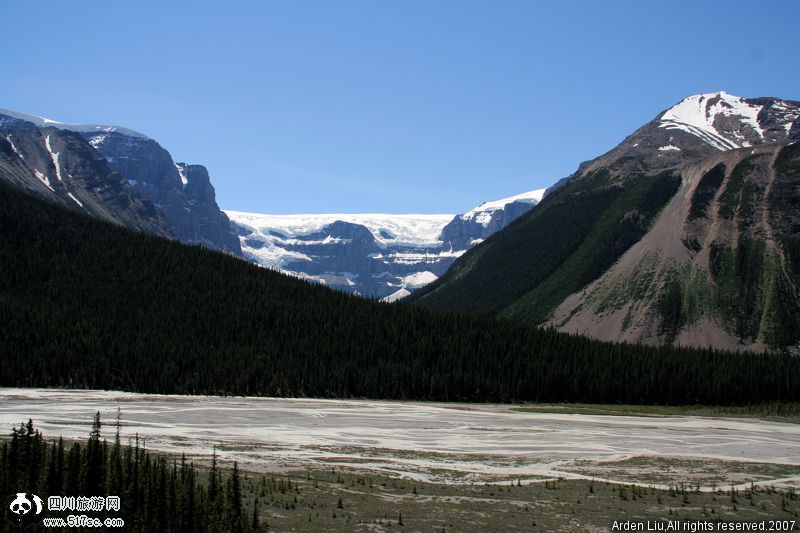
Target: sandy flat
{"x":424,"y":441}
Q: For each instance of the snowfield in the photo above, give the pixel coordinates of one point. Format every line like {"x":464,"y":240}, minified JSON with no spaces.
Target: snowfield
{"x":409,"y":230}
{"x":423,"y":441}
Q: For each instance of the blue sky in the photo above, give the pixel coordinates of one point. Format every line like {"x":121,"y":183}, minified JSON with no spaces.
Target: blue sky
{"x":364,"y":106}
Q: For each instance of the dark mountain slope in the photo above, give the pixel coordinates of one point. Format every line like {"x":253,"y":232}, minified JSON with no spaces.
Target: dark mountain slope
{"x":84,"y":303}
{"x":616,"y":254}
{"x":62,"y":162}
{"x":62,"y":167}
{"x":717,"y":268}
{"x":579,"y":231}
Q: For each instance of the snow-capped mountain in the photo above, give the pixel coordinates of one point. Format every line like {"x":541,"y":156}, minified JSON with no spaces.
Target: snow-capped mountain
{"x":487,"y":218}
{"x":136,"y":170}
{"x":700,"y":126}
{"x":378,"y":255}
{"x":686,"y":232}
{"x":725,"y":121}
{"x":125,"y":176}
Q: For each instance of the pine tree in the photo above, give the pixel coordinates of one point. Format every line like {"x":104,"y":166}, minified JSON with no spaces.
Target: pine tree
{"x":255,"y":525}
{"x":115,"y":476}
{"x":73,"y":480}
{"x":234,"y":497}
{"x":93,"y":461}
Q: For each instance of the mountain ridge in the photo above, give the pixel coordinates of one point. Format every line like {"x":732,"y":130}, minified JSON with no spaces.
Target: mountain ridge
{"x":394,"y":256}
{"x":43,"y":122}
{"x":527,"y":270}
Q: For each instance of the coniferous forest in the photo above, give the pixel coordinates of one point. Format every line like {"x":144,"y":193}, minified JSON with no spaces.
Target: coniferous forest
{"x":87,"y":304}
{"x":156,"y":493}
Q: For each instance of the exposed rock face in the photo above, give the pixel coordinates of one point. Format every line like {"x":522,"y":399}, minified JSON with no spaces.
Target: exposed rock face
{"x":212,"y":225}
{"x":182,"y":195}
{"x":61,"y":166}
{"x":182,"y":192}
{"x":718,"y":268}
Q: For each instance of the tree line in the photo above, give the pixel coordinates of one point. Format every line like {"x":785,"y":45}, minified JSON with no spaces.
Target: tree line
{"x":86,"y":304}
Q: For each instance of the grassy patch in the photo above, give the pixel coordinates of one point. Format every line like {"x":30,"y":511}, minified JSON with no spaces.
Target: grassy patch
{"x":679,"y":471}
{"x":338,"y":501}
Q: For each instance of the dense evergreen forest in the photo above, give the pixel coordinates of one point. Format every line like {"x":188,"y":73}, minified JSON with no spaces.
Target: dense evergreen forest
{"x":87,"y":304}
{"x":580,"y":230}
{"x":155,"y":493}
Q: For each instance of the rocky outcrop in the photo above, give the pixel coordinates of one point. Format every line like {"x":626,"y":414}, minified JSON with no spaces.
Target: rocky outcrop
{"x":144,"y":174}
{"x":183,"y":193}
{"x":62,"y":167}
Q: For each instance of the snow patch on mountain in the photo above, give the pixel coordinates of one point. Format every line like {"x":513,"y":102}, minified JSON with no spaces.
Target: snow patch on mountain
{"x":698,"y":114}
{"x":419,"y":279}
{"x":397,"y":295}
{"x":482,"y":213}
{"x":415,"y":258}
{"x":13,"y":147}
{"x":787,"y":114}
{"x":72,"y":196}
{"x":182,"y":174}
{"x":44,"y":179}
{"x":53,"y":157}
{"x":274,"y":256}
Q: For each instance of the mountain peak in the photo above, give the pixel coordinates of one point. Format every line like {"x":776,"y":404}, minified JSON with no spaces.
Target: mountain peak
{"x":725,"y":121}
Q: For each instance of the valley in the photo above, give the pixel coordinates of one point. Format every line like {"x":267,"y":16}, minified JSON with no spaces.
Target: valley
{"x":357,"y":465}
{"x":400,"y":267}
{"x":430,"y":442}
